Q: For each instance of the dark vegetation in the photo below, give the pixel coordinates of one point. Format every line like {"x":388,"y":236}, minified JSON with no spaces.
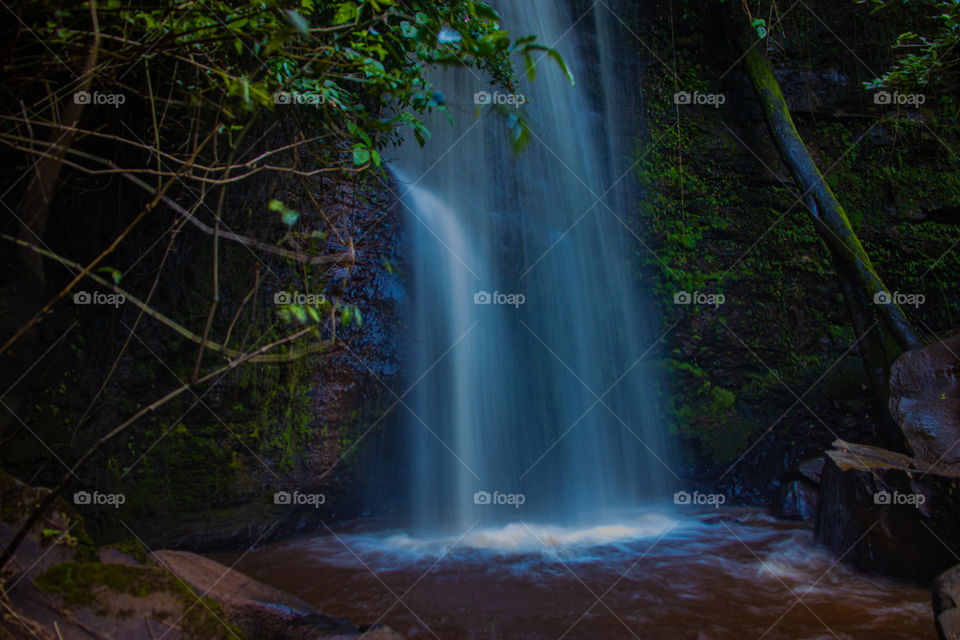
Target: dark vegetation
{"x":779,"y":371}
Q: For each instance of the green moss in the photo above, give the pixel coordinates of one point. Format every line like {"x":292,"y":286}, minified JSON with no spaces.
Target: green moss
{"x":83,"y":585}
{"x":75,"y":582}
{"x":133,"y":548}
{"x":709,"y":225}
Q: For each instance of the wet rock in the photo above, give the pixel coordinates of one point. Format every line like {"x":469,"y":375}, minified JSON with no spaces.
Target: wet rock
{"x":796,"y":495}
{"x":886,"y":513}
{"x":946,"y":604}
{"x":811,"y":469}
{"x":797,"y":500}
{"x":925,"y":400}
{"x":258,"y":609}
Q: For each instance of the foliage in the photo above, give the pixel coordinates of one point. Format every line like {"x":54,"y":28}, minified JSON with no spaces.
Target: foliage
{"x":929,"y":58}
{"x":363,"y":63}
{"x":221,"y":133}
{"x":346,"y":78}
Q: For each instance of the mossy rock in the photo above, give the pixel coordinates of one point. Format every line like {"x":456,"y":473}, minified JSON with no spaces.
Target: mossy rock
{"x":123,"y":592}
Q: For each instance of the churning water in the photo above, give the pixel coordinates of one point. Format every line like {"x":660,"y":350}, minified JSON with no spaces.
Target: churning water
{"x":649,"y":576}
{"x":529,"y":335}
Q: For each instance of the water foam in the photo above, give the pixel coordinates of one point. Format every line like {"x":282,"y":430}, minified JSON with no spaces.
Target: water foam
{"x":517,"y":539}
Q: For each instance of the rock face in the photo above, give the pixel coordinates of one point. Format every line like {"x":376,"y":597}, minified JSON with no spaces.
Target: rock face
{"x":886,"y":513}
{"x":812,"y":91}
{"x":946,"y":604}
{"x":925,"y":400}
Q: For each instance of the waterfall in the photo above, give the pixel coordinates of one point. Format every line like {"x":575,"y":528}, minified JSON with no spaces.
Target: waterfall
{"x":531,"y":386}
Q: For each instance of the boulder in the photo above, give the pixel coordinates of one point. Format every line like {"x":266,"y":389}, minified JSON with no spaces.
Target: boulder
{"x":925,"y":401}
{"x":946,"y":604}
{"x":796,"y":500}
{"x":258,"y":609}
{"x":811,"y":469}
{"x":886,"y":513}
{"x":797,"y":494}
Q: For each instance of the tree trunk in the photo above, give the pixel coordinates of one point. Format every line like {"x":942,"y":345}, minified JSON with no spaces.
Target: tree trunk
{"x":858,"y":278}
{"x":32,"y":212}
{"x":828,"y":216}
{"x":876,"y":359}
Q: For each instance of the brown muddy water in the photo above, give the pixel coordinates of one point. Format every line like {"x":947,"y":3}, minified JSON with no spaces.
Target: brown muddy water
{"x":739,"y":575}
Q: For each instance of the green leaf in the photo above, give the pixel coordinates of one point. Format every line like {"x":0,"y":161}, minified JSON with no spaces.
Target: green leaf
{"x":290,"y":217}
{"x":761,"y":26}
{"x":530,"y":66}
{"x":556,"y":57}
{"x":346,"y":12}
{"x":361,"y":156}
{"x":408,"y":30}
{"x":114,"y":273}
{"x":278,"y":39}
{"x":486,"y":12}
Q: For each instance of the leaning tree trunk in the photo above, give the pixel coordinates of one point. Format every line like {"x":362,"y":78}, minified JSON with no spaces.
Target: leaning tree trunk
{"x":858,"y":278}
{"x":828,"y":216}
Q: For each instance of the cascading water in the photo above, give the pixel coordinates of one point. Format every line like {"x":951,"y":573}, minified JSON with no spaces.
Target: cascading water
{"x":527,"y":368}
{"x":501,"y":398}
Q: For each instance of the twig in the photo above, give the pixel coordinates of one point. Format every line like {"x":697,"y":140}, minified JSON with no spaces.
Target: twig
{"x":160,"y":317}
